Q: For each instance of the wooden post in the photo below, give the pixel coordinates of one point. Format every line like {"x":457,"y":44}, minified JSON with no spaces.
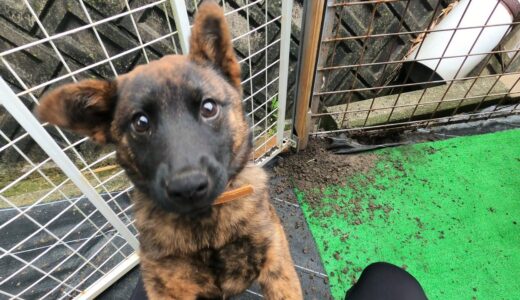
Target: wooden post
{"x":314,"y":15}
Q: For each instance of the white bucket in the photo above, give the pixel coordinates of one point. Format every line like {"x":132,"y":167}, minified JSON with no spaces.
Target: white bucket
{"x":465,"y":41}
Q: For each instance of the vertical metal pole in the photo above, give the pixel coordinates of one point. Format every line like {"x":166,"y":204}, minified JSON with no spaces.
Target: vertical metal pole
{"x":285,"y":47}
{"x":25,"y":118}
{"x":182,"y":23}
{"x":314,"y":12}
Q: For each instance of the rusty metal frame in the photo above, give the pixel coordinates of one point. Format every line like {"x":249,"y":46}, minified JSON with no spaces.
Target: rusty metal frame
{"x":310,"y":108}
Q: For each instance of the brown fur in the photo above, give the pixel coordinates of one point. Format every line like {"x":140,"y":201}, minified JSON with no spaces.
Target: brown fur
{"x":179,"y":262}
{"x":215,"y":256}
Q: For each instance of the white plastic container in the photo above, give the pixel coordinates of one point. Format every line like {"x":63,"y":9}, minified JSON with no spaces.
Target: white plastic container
{"x":470,"y":13}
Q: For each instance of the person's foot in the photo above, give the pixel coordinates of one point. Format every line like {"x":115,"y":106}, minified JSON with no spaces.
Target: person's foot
{"x":384,"y":281}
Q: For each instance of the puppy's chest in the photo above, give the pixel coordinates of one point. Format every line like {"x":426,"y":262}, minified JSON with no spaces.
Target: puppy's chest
{"x":239,"y":260}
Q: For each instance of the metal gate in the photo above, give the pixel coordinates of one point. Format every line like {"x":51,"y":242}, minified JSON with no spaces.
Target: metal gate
{"x":368,"y":65}
{"x":65,"y":216}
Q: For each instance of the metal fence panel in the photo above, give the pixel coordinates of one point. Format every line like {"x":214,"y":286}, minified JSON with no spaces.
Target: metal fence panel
{"x":378,"y":68}
{"x":65,"y":214}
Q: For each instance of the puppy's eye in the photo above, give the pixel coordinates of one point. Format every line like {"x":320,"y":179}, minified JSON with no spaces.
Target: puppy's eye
{"x":140,"y":123}
{"x":209,"y":109}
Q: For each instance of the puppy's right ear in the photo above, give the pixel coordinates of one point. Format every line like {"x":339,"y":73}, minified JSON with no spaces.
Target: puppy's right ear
{"x":86,"y":107}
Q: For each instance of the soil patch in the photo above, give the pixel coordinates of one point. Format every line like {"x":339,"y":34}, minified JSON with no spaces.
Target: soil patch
{"x":316,"y":168}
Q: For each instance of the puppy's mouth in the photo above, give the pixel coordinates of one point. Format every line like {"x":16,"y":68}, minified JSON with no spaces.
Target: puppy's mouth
{"x":191,"y":207}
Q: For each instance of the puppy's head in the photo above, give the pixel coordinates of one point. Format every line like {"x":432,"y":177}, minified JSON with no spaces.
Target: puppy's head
{"x":177,"y":123}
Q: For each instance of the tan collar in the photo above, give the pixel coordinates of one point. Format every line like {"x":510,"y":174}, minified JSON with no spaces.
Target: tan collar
{"x":230,"y":195}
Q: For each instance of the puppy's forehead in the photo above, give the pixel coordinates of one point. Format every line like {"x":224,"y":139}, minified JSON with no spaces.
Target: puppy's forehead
{"x":169,"y":74}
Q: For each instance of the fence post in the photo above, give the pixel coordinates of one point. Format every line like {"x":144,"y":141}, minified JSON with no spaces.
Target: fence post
{"x":285,"y":47}
{"x":25,"y":118}
{"x":314,"y":15}
{"x":182,"y":23}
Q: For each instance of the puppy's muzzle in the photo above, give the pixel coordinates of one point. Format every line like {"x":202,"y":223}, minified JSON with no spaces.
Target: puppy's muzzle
{"x":188,"y":186}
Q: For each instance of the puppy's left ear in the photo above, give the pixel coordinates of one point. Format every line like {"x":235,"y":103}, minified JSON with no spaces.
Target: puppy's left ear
{"x":210,"y":42}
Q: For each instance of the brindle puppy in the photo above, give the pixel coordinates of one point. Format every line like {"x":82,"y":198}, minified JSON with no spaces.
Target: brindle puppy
{"x":182,"y":138}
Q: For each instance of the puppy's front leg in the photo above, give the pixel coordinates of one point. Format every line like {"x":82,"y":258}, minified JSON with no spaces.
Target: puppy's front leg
{"x":278,"y":278}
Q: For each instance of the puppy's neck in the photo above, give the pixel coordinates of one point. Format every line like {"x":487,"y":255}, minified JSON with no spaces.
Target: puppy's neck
{"x":231,"y":194}
{"x":252,"y":175}
{"x":250,"y":180}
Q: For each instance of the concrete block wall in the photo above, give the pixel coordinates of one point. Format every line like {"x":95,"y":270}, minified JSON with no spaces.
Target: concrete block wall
{"x":39,"y":64}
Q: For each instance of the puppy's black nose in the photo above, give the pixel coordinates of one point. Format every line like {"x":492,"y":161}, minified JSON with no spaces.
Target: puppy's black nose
{"x":192,"y":185}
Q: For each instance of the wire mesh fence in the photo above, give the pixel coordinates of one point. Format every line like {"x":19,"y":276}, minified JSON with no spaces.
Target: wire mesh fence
{"x":403,"y":62}
{"x":258,"y":48}
{"x":65,"y":212}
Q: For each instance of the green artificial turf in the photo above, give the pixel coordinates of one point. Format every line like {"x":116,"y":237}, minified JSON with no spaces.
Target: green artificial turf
{"x":446,"y":211}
